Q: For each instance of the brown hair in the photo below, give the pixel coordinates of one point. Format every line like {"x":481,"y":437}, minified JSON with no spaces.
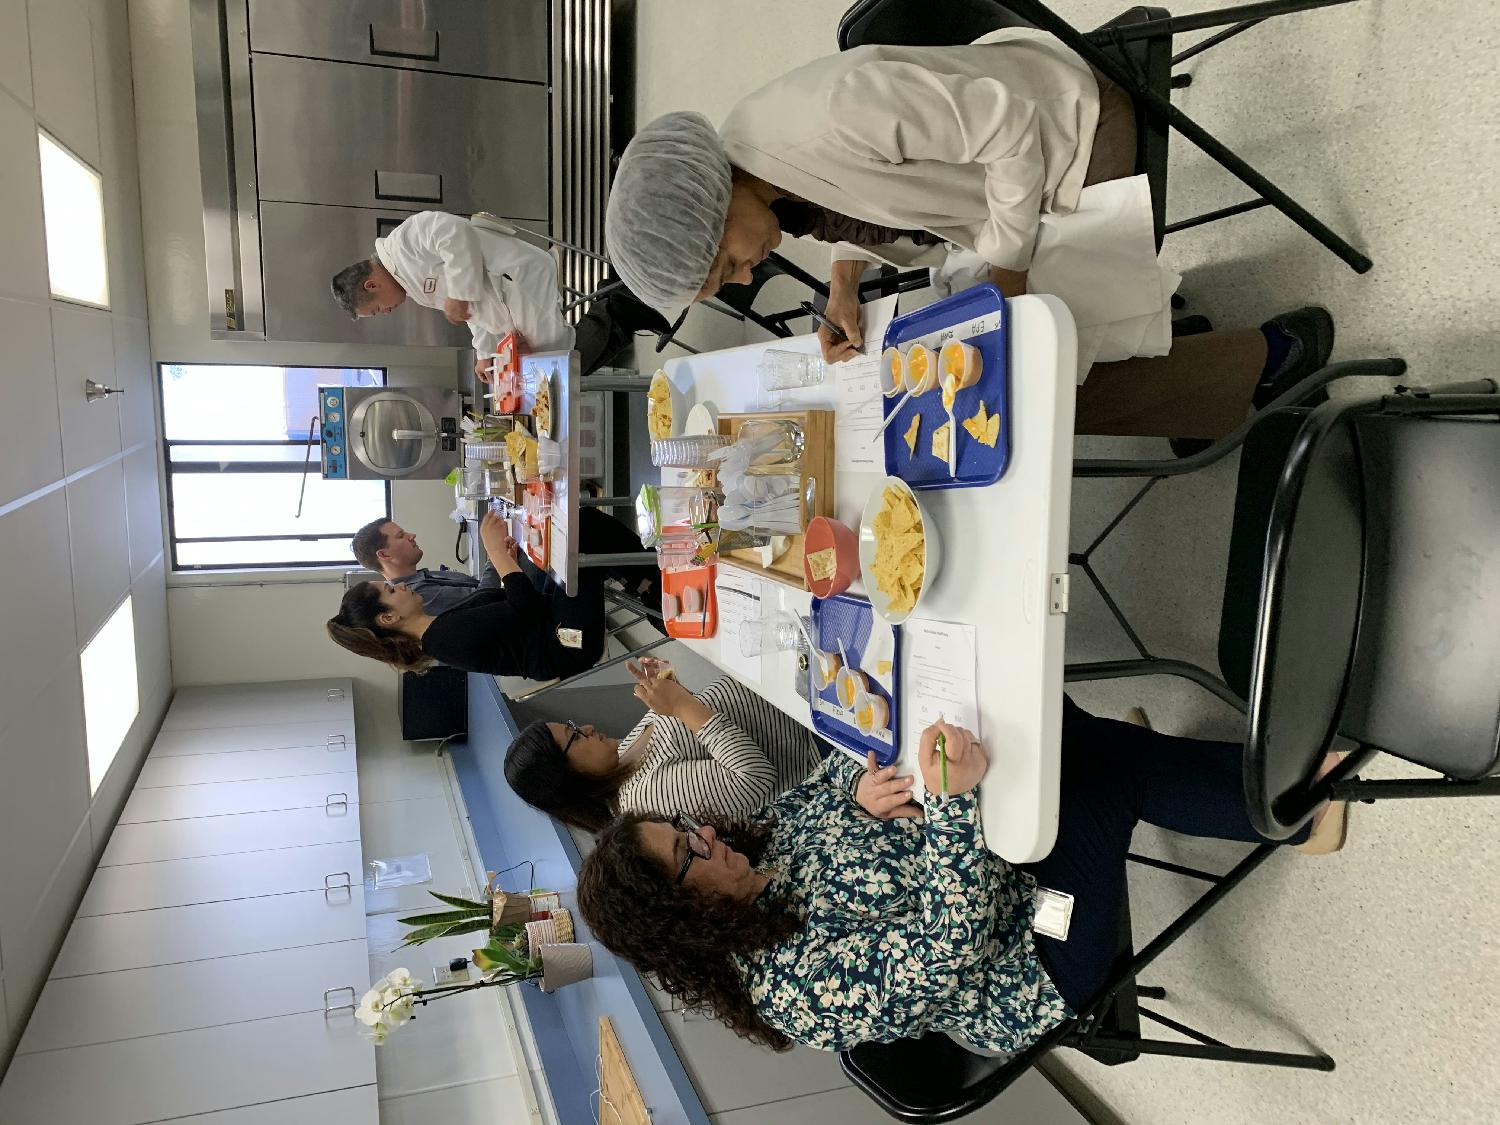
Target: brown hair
{"x":687,"y":941}
{"x":367,"y":541}
{"x":357,"y":628}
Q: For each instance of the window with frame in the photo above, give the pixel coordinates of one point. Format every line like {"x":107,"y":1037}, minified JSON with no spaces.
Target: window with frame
{"x":244,"y":469}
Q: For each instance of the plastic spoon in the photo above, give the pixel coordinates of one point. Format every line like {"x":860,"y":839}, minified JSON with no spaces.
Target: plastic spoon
{"x":889,"y":418}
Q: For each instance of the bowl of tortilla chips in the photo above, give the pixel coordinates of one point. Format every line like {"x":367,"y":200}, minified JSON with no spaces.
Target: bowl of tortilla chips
{"x":899,"y":550}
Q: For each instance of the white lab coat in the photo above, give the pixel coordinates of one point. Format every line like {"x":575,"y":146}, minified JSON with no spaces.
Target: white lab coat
{"x":985,"y":145}
{"x":510,"y":284}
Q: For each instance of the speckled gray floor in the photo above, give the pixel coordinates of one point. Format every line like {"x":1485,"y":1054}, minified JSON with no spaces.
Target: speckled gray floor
{"x":1379,"y":116}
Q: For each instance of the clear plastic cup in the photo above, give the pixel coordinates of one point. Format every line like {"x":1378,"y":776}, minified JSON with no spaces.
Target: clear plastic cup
{"x":785,"y":371}
{"x":686,"y":452}
{"x":769,"y":635}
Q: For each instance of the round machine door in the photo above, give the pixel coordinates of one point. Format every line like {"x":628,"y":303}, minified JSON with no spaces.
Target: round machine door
{"x":391,"y":434}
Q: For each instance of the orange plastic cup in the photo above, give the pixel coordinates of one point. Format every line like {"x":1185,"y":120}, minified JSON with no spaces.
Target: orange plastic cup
{"x":821,"y":534}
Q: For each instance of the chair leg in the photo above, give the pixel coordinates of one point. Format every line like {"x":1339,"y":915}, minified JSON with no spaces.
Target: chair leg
{"x":1213,"y":1053}
{"x":1211,"y":41}
{"x":1112,"y":69}
{"x":1201,"y":21}
{"x":1215,"y":216}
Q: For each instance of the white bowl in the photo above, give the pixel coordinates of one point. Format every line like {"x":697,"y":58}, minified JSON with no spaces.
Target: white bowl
{"x":932,"y":550}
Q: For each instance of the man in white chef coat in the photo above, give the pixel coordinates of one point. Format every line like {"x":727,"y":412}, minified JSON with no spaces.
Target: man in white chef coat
{"x":493,"y":282}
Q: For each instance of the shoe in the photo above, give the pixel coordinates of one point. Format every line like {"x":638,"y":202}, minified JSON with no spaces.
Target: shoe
{"x":1137,"y":717}
{"x":1311,"y":330}
{"x":1331,"y":830}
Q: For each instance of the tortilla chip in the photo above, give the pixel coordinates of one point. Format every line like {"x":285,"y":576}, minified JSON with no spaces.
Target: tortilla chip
{"x":911,"y":434}
{"x":822,"y":565}
{"x":900,"y":550}
{"x":659,"y":407}
{"x":940,"y":438}
{"x":983,"y":427}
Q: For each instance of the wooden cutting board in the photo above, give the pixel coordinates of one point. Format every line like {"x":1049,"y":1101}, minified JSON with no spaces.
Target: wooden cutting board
{"x":620,"y":1101}
{"x":817,"y":464}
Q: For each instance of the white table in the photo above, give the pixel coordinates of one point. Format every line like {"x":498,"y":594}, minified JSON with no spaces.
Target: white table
{"x":1005,"y":561}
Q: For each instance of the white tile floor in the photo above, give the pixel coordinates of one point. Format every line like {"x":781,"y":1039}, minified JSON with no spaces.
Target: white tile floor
{"x":1380,"y":117}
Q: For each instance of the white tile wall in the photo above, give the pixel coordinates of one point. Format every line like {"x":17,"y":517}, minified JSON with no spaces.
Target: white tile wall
{"x":15,"y":56}
{"x":39,"y":607}
{"x":71,"y":61}
{"x":22,"y":245}
{"x":62,"y":69}
{"x":83,"y":347}
{"x":135,"y":373}
{"x":44,"y":797}
{"x":100,"y":545}
{"x":28,"y":397}
{"x":143,"y":508}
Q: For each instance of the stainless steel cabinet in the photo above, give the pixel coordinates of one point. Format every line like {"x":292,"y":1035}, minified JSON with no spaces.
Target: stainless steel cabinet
{"x":475,"y":37}
{"x":397,"y":139}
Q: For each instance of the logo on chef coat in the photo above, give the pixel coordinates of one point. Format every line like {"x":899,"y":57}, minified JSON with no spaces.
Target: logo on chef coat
{"x":429,"y":285}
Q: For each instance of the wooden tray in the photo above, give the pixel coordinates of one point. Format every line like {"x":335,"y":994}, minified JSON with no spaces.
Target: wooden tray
{"x":817,"y":464}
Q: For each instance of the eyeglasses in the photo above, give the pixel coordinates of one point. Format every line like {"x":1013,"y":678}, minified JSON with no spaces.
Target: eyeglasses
{"x":574,"y":734}
{"x":697,"y":846}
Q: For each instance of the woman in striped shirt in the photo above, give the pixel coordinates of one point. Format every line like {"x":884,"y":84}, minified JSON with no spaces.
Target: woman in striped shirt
{"x":724,"y":752}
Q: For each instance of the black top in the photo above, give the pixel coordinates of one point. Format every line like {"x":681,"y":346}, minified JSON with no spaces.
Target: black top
{"x":511,"y":631}
{"x":802,"y":219}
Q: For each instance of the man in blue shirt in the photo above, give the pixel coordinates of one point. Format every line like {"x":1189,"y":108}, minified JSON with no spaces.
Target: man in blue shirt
{"x":386,"y":548}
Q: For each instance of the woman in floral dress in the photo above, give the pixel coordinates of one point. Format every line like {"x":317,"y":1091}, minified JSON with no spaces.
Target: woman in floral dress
{"x":817,"y":923}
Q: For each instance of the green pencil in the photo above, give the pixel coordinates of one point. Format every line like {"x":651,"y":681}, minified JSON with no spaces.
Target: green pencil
{"x":942,"y":745}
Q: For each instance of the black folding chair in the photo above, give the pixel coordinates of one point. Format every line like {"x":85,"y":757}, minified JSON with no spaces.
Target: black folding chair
{"x":1353,"y":602}
{"x":1134,"y":51}
{"x":933,"y":1079}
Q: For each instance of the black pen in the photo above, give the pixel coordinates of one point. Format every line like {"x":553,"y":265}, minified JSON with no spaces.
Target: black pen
{"x":823,"y":320}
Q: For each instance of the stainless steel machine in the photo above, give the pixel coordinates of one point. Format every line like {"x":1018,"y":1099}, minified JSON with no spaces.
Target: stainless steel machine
{"x":322,"y":126}
{"x":389,"y":433}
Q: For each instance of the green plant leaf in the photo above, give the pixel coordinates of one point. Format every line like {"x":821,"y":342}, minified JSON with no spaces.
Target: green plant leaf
{"x":462,"y":903}
{"x":443,"y":917}
{"x":428,"y":933}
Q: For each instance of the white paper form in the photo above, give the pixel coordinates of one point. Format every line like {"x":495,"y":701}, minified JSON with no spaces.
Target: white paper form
{"x":859,"y":399}
{"x":940,"y":664}
{"x":740,"y":601}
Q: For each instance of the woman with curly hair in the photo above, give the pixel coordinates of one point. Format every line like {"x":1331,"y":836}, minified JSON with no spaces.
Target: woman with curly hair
{"x":814,"y":923}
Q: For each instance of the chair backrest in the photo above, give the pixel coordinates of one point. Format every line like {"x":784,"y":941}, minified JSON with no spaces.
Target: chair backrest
{"x":922,"y":23}
{"x":933,"y":1079}
{"x":1426,"y":679}
{"x":1308,"y":612}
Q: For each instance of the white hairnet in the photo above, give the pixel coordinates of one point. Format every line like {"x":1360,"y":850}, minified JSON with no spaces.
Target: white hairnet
{"x":667,"y":208}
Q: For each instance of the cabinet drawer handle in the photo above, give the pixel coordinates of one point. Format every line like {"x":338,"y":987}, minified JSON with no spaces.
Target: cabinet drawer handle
{"x":415,"y":43}
{"x":329,"y":993}
{"x":338,"y":742}
{"x":335,"y":693}
{"x":336,"y":801}
{"x":329,"y":886}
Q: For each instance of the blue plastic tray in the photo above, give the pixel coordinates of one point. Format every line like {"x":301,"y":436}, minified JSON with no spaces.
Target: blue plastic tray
{"x":853,"y":621}
{"x":954,"y":318}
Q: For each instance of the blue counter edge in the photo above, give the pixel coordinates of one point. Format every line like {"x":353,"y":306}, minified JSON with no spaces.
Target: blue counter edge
{"x":565,"y":1024}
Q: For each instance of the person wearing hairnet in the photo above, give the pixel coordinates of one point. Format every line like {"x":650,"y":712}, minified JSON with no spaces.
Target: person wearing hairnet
{"x":1008,"y":159}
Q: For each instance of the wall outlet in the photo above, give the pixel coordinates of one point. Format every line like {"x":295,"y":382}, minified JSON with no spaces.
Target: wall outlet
{"x":441,"y":975}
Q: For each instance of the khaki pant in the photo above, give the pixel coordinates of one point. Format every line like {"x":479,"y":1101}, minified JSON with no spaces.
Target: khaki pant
{"x":1202,"y":388}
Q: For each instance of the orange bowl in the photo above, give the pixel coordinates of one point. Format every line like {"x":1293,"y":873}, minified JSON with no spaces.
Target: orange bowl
{"x":821,"y":534}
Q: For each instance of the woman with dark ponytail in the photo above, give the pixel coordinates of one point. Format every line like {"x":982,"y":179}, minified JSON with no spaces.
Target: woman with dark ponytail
{"x":508,"y":628}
